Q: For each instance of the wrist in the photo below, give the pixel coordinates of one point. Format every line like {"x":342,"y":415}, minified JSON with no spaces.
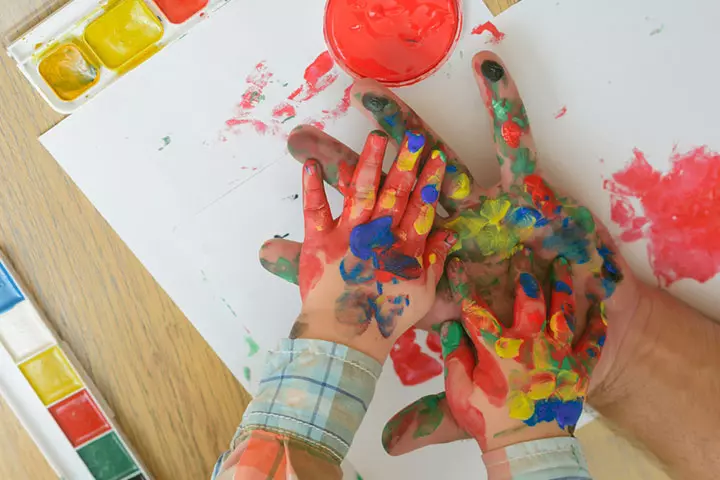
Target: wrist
{"x":324,"y":326}
{"x":522,"y":433}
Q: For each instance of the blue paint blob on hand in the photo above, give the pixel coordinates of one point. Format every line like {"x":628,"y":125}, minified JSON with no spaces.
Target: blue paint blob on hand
{"x":451,"y":169}
{"x":568,"y":413}
{"x":526,"y":217}
{"x":570,"y":242}
{"x":357,"y":274}
{"x":368,"y":236}
{"x":562,"y":287}
{"x":529,"y":285}
{"x":400,"y":265}
{"x":415,"y":142}
{"x":429,"y":193}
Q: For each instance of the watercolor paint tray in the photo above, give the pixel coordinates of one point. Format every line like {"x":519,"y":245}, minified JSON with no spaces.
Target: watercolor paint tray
{"x":88,"y":44}
{"x":53,"y":398}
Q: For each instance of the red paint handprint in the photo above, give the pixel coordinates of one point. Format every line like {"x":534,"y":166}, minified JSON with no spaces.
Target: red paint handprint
{"x":681,"y":213}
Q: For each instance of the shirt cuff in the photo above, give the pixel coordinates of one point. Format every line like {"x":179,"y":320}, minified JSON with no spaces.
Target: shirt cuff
{"x":547,"y":459}
{"x":314,"y":391}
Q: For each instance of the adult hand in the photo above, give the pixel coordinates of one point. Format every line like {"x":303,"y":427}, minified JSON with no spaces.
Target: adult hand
{"x":378,"y":261}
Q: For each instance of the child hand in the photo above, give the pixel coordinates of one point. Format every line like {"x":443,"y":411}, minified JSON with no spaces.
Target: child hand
{"x":369,"y":275}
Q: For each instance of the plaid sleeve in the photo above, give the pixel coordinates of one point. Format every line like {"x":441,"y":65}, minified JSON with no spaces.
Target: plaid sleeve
{"x":313,"y":396}
{"x":547,"y":459}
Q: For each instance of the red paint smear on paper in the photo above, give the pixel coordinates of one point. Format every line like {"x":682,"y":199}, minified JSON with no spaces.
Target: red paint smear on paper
{"x":411,"y":364}
{"x":489,"y":27}
{"x":318,"y":76}
{"x":681,"y":213}
{"x":561,"y":113}
{"x":394,"y":42}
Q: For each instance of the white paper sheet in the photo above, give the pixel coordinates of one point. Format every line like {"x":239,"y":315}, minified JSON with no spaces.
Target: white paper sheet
{"x":195,"y":212}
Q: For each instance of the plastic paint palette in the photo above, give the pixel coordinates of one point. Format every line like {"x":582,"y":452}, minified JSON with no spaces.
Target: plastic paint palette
{"x":87,"y":45}
{"x":53,"y":399}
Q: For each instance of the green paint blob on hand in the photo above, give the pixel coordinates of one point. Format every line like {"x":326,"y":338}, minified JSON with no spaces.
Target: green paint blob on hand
{"x":430,"y":415}
{"x":584,"y":218}
{"x":523,"y":164}
{"x":452,"y":334}
{"x":283,"y":268}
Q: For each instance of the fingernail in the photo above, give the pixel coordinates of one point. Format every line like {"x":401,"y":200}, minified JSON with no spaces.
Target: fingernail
{"x":451,"y":239}
{"x":374,"y":103}
{"x":439,"y":153}
{"x":415,"y":141}
{"x":492,"y":70}
{"x":310,"y":168}
{"x":450,"y":338}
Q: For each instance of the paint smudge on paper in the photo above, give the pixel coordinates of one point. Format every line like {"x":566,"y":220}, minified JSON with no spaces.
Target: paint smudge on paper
{"x":411,"y":364}
{"x":497,"y":35}
{"x":657,"y":30}
{"x":677,"y":212}
{"x":286,"y":235}
{"x":253,"y":347}
{"x":318,"y":76}
{"x":561,"y":113}
{"x":246,"y":373}
{"x":166,"y":141}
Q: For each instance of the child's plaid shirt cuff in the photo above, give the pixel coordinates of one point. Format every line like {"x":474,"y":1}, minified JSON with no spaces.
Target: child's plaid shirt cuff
{"x":314,"y":391}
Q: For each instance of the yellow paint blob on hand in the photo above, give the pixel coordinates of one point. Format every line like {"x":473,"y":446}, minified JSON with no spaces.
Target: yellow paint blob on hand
{"x":520,"y":406}
{"x":567,"y":385}
{"x":406,"y":160}
{"x":542,"y":385}
{"x":495,"y":210}
{"x":425,"y":219}
{"x":388,"y":199}
{"x":508,"y":347}
{"x":461,"y":187}
{"x":432,"y":258}
{"x":68,"y":72}
{"x":51,"y":375}
{"x":123,"y":32}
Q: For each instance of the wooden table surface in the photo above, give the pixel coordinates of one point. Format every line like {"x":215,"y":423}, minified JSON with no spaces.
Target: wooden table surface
{"x":173,"y":397}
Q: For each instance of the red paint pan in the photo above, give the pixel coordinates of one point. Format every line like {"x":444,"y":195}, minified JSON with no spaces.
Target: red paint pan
{"x":397,"y":42}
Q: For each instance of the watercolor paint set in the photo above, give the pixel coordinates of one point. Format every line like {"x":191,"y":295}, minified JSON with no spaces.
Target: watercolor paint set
{"x":54,"y":400}
{"x":88,"y":44}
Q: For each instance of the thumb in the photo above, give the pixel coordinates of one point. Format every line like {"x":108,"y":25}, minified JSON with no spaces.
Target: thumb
{"x":282,"y":258}
{"x":437,"y":249}
{"x":428,"y":421}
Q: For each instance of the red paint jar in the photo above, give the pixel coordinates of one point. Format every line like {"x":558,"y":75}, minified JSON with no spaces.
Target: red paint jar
{"x":396,"y":42}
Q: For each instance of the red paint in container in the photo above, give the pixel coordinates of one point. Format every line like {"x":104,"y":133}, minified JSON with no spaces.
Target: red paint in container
{"x":178,"y":11}
{"x":397,"y":42}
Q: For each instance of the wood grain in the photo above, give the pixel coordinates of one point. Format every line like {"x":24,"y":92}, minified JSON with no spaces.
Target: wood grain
{"x":176,"y":401}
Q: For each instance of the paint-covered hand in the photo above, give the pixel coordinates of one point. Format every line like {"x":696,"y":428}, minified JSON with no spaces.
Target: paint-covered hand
{"x":369,"y":275}
{"x":506,"y":385}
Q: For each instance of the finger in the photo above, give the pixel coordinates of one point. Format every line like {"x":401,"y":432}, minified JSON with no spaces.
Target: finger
{"x":561,"y":324}
{"x":460,"y":363}
{"x":338,"y":161}
{"x":362,"y":191}
{"x":529,"y":311}
{"x":476,"y":315}
{"x":282,"y":258}
{"x":380,"y":105}
{"x":589,"y":347}
{"x":420,"y":213}
{"x":395,"y":193}
{"x":316,"y":210}
{"x":513,"y":140}
{"x":437,"y":249}
{"x":427,"y":421}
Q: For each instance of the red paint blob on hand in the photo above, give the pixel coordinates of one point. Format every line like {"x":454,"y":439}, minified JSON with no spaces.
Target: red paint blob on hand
{"x":411,"y":364}
{"x":543,"y":198}
{"x":397,"y":42}
{"x":511,"y":133}
{"x":489,"y":377}
{"x":681,"y":218}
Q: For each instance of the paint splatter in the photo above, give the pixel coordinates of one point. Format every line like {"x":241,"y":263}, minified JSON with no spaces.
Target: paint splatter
{"x":680,"y":217}
{"x":166,"y":141}
{"x":253,"y":347}
{"x":319,"y":75}
{"x":411,"y":364}
{"x":246,"y":373}
{"x":561,"y":113}
{"x":497,"y":35}
{"x":294,"y":196}
{"x":283,"y":236}
{"x":657,"y":30}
